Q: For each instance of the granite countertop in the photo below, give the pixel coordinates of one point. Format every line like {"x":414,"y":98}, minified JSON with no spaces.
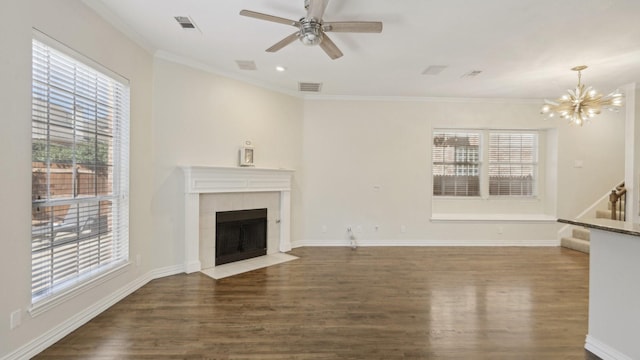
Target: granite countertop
{"x":620,"y":227}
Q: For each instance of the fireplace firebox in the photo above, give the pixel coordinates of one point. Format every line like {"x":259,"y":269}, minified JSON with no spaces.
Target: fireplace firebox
{"x":240,"y":235}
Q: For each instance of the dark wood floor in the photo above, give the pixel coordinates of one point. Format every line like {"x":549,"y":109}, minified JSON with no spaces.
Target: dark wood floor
{"x":371,"y":303}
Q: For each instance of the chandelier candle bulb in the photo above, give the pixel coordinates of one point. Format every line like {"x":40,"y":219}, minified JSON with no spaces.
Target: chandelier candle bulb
{"x":581,"y":104}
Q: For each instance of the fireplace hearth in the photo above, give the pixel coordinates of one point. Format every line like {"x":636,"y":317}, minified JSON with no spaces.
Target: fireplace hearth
{"x":240,"y":235}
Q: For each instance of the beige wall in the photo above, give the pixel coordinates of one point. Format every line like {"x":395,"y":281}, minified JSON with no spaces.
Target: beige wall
{"x":15,"y":158}
{"x":71,"y":23}
{"x":356,"y":162}
{"x":367,"y":164}
{"x":600,"y":146}
{"x":202,"y":119}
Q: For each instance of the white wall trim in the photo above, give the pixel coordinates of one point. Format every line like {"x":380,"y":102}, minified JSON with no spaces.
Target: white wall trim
{"x":493,"y":217}
{"x":631,"y":159}
{"x":425,"y":242}
{"x":116,"y":21}
{"x":49,"y":303}
{"x":603,"y":350}
{"x":566,"y":230}
{"x":166,"y":271}
{"x":315,"y":97}
{"x":171,"y":57}
{"x":42,"y":342}
{"x":592,"y":209}
{"x":194,"y":64}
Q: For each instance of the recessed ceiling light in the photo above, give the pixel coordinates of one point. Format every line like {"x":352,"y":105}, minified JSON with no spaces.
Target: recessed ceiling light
{"x":280,"y":68}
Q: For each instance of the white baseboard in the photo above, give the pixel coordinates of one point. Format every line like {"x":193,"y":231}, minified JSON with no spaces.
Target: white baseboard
{"x":50,"y":337}
{"x":192,"y":266}
{"x":502,"y":218}
{"x":424,"y":242}
{"x":565,"y":231}
{"x":590,"y":212}
{"x":604,"y":351}
{"x":167,"y":271}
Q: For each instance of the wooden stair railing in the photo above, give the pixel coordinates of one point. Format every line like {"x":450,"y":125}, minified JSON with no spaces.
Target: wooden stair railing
{"x":617,"y":198}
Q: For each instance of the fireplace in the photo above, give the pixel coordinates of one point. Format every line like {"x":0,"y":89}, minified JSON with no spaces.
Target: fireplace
{"x":210,"y":189}
{"x":240,"y":235}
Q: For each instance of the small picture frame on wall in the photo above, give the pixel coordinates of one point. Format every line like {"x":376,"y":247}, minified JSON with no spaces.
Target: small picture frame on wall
{"x":246,"y":154}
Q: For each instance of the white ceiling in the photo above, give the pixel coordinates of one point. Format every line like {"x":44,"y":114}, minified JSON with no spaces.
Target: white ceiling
{"x":524,"y":48}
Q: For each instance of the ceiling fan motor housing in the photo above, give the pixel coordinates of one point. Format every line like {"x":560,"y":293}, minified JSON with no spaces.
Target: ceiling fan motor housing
{"x":310,"y":31}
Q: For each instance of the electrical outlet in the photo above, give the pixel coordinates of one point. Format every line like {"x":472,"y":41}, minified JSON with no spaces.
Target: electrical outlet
{"x":359,"y":229}
{"x":16,"y":319}
{"x":403,"y":228}
{"x":376,"y":227}
{"x":500,"y":230}
{"x":324,"y":228}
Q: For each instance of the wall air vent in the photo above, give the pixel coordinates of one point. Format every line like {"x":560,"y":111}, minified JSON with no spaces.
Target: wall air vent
{"x":246,"y":64}
{"x":434,"y":69}
{"x":185,"y":22}
{"x":471,"y":74}
{"x":309,"y":87}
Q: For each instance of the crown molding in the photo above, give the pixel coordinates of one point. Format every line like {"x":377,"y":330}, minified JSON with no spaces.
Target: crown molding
{"x":182,"y":60}
{"x":112,"y":18}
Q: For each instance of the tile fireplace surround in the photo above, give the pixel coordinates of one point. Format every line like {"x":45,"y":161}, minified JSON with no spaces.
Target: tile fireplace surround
{"x":199,"y":180}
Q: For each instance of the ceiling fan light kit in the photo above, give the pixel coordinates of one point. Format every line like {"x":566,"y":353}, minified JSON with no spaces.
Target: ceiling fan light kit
{"x":580,"y":105}
{"x":312,"y":29}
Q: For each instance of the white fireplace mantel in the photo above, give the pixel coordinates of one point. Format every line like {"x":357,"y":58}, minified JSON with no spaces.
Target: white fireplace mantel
{"x":210,"y":180}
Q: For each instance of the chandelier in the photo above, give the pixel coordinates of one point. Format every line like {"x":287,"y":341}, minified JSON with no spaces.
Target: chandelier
{"x":581,"y":104}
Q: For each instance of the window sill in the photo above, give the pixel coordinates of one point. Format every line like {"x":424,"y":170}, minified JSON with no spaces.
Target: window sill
{"x":488,"y":198}
{"x":541,"y":218}
{"x":48,"y":303}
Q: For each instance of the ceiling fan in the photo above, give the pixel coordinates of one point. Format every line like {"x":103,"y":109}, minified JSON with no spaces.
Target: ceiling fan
{"x":312,"y":29}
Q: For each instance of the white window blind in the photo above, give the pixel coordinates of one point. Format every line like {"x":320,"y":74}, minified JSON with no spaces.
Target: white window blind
{"x":80,"y":170}
{"x":456,"y":163}
{"x":513,"y":163}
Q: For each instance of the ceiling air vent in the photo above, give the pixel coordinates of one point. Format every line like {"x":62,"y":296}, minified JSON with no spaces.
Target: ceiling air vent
{"x":471,"y":74}
{"x":434,"y":69}
{"x":185,"y":22}
{"x":246,"y":64}
{"x":309,"y":87}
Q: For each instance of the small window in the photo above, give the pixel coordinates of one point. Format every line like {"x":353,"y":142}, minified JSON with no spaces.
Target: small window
{"x":513,"y":163}
{"x":456,"y":163}
{"x":80,"y":170}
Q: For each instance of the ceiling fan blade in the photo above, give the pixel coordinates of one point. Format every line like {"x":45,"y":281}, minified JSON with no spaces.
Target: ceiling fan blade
{"x":284,"y":42}
{"x":316,"y":9}
{"x":353,"y":26}
{"x":330,"y":47}
{"x":271,"y":18}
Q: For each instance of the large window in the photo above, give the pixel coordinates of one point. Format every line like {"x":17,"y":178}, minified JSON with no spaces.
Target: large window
{"x":511,"y":158}
{"x":80,"y":169}
{"x":456,"y":163}
{"x":513,"y":163}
